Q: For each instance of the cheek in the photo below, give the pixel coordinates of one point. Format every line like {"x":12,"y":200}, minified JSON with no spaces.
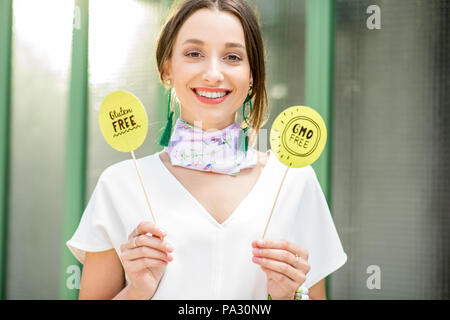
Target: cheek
{"x":177,"y":66}
{"x":244,"y":86}
{"x":242,"y":77}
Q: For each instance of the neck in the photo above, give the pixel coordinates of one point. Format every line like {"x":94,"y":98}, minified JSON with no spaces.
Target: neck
{"x":208,"y":125}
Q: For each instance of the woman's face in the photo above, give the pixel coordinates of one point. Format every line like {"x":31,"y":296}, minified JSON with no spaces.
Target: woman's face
{"x":209,"y":59}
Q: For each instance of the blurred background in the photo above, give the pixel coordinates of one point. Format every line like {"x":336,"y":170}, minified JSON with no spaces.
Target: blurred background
{"x":384,"y":94}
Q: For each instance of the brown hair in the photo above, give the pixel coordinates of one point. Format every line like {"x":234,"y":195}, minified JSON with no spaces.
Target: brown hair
{"x":181,"y":11}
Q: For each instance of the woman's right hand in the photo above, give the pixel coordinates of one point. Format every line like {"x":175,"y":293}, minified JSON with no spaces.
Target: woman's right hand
{"x":145,"y":258}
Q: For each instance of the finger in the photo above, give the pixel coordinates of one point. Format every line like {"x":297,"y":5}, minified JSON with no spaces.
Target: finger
{"x":282,"y":280}
{"x":281,"y":267}
{"x":133,"y":233}
{"x":152,"y":242}
{"x":130,"y":244}
{"x":147,"y":227}
{"x":282,"y":244}
{"x":143,"y":263}
{"x":146,"y":252}
{"x":278,"y":254}
{"x":283,"y":256}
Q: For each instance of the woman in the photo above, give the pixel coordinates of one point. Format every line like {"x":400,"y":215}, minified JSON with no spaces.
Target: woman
{"x":211,"y":210}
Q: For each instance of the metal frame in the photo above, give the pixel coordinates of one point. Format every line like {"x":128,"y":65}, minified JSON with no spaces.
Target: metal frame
{"x":5,"y":115}
{"x":319,"y":80}
{"x":76,"y":142}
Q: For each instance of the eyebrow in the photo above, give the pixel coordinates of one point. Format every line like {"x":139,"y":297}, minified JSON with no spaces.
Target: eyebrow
{"x":227,"y":45}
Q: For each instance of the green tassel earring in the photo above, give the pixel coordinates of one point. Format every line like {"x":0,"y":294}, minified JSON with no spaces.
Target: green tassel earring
{"x":243,"y":136}
{"x":165,"y":137}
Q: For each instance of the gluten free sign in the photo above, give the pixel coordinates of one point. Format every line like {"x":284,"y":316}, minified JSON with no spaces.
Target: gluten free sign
{"x":123,"y":121}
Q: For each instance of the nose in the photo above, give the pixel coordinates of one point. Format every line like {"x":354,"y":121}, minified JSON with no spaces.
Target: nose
{"x":213,"y":73}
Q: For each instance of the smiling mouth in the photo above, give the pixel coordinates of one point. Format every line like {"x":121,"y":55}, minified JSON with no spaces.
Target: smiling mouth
{"x":212,"y":95}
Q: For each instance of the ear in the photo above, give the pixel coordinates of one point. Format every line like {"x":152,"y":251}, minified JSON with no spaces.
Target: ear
{"x":166,"y":70}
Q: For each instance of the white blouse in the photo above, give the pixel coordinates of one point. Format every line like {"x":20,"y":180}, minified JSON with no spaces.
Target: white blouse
{"x":211,"y":260}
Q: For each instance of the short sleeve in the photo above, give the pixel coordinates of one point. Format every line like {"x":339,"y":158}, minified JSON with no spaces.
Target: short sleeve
{"x":93,"y":233}
{"x":317,"y":232}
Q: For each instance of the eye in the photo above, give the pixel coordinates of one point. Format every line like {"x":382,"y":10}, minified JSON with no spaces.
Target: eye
{"x":235,"y":58}
{"x":193,"y":54}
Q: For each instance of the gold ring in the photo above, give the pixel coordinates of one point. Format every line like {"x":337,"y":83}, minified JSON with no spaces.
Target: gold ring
{"x":134,"y":242}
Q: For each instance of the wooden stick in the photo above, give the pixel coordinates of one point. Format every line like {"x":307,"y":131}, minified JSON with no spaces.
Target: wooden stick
{"x":275,"y":202}
{"x":142,"y":184}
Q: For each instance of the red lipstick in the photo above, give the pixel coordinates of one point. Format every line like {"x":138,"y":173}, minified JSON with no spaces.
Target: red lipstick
{"x":211,"y":100}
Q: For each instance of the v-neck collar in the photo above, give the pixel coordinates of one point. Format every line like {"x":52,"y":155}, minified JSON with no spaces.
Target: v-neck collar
{"x":259,"y":182}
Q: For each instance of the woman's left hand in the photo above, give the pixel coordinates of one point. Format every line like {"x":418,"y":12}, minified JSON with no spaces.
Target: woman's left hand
{"x":285,"y":264}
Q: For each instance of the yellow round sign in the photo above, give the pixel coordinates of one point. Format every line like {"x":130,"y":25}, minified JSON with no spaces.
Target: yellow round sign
{"x":298,"y":136}
{"x":123,"y":121}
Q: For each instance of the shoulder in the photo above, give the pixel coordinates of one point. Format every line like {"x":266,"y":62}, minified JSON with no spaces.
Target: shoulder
{"x":122,"y":169}
{"x":304,"y":172}
{"x":305,"y":175}
{"x":115,"y":171}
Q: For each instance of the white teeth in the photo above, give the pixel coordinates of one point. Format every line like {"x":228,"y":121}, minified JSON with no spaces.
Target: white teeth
{"x":211,"y":94}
